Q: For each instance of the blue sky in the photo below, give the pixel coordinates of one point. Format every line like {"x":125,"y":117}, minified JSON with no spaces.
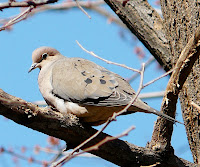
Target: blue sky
{"x":60,"y":30}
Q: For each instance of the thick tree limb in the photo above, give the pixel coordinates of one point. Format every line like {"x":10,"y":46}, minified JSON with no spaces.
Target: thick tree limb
{"x":161,"y":138}
{"x":143,"y":21}
{"x":73,"y":132}
{"x":181,"y":20}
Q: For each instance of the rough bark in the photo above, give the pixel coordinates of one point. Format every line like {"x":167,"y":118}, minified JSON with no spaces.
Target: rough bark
{"x":69,"y":129}
{"x":181,"y":19}
{"x":161,"y":138}
{"x":144,"y":22}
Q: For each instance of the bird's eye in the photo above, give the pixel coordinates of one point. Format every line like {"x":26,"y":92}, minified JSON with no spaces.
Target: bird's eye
{"x":44,"y":56}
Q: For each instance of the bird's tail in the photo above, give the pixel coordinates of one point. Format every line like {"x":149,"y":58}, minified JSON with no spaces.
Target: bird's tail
{"x":139,"y":107}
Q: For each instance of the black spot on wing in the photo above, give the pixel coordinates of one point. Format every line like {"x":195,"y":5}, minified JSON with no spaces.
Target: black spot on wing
{"x":102,"y":81}
{"x":83,"y":73}
{"x":88,"y":81}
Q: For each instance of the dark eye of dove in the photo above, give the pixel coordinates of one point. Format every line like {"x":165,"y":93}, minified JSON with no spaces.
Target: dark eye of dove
{"x":44,"y":56}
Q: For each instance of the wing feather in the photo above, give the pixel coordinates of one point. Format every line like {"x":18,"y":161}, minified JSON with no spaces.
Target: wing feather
{"x":82,"y":81}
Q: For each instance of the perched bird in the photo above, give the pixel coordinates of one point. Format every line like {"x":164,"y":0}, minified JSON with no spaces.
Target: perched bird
{"x":83,"y":88}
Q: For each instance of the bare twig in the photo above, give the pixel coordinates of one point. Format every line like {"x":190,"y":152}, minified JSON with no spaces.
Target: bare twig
{"x":136,"y":95}
{"x":57,"y":154}
{"x":21,"y":156}
{"x":94,"y":147}
{"x":107,"y":61}
{"x":111,"y":18}
{"x":90,"y":5}
{"x":107,"y":139}
{"x":18,"y":18}
{"x":164,"y":75}
{"x":24,"y":14}
{"x":148,"y":62}
{"x":25,"y":3}
{"x":92,"y":137}
{"x":80,"y":7}
{"x":151,"y":95}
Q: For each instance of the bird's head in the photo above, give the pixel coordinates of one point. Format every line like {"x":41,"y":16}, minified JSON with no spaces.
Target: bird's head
{"x":42,"y":56}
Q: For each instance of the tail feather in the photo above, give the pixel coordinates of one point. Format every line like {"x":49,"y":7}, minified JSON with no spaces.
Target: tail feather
{"x":140,"y":106}
{"x":165,"y":116}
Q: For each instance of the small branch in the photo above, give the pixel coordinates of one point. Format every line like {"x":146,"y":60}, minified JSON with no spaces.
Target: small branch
{"x":136,"y":95}
{"x":164,"y":75}
{"x":57,"y":153}
{"x":20,"y":156}
{"x":80,"y":7}
{"x":18,"y":18}
{"x":90,"y":5}
{"x":107,"y":139}
{"x":147,"y":63}
{"x":110,"y":17}
{"x":94,"y":147}
{"x":25,"y":3}
{"x":109,"y":62}
{"x":66,"y":5}
{"x":24,"y":14}
{"x":151,"y":95}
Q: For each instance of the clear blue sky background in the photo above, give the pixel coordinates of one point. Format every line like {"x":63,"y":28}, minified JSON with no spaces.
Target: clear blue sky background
{"x":60,"y":30}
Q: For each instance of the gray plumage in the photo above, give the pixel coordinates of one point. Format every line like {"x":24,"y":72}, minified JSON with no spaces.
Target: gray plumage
{"x":83,"y":88}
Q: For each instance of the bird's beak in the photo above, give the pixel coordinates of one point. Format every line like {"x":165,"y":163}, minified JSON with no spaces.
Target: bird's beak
{"x":33,"y":66}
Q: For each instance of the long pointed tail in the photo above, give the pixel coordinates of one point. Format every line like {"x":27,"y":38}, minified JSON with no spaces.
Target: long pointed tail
{"x":165,"y":116}
{"x":140,"y":106}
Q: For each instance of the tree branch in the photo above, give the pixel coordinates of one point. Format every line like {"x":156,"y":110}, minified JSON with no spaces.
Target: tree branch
{"x":161,"y":138}
{"x":69,"y":129}
{"x":143,"y":21}
{"x":25,"y":3}
{"x":18,"y":18}
{"x":91,"y":148}
{"x":66,"y":5}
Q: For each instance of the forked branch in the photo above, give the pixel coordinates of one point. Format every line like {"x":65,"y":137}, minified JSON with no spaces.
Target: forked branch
{"x":161,"y":138}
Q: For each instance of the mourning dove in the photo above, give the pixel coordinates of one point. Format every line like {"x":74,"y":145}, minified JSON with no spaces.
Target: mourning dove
{"x":83,"y":88}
